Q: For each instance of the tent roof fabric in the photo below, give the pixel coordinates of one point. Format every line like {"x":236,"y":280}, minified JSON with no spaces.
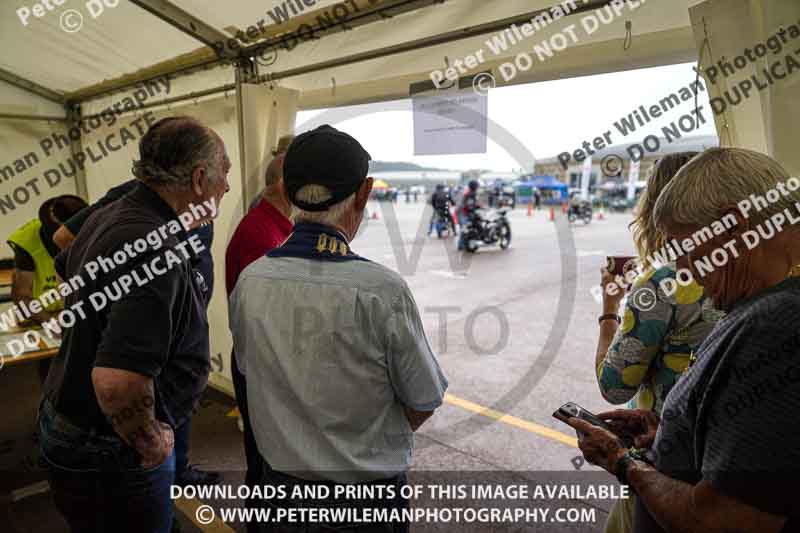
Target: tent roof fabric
{"x":125,"y":41}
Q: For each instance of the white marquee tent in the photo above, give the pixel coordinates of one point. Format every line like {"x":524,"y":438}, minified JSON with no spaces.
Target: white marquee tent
{"x":66,"y":65}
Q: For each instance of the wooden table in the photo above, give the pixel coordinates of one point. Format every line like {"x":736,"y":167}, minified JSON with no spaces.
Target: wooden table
{"x":5,"y":285}
{"x":44,"y":352}
{"x":28,"y":357}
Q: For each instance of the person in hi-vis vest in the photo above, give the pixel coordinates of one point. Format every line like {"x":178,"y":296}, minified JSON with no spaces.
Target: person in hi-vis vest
{"x":34,"y":251}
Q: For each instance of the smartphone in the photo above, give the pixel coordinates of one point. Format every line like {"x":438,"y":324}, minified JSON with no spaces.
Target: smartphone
{"x":570,"y":410}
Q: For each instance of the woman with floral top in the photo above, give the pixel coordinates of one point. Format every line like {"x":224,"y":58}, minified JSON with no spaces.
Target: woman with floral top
{"x":641,"y":355}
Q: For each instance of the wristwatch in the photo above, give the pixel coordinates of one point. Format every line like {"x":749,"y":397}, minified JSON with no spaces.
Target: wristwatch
{"x":641,"y":454}
{"x":622,"y":467}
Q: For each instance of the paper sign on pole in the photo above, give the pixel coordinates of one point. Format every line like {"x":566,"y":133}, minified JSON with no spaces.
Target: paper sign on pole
{"x":586,"y":177}
{"x":450,"y":122}
{"x":633,"y":177}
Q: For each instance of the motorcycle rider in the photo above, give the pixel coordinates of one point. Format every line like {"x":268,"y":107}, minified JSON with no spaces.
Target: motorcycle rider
{"x":469,"y":211}
{"x":575,"y":202}
{"x":441,"y":202}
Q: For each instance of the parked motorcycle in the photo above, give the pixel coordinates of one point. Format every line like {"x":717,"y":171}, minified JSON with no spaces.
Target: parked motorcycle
{"x":444,"y":224}
{"x":488,"y":230}
{"x":581,"y":211}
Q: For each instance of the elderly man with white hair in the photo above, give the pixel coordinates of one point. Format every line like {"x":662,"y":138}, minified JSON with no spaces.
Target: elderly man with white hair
{"x":725,"y":455}
{"x":339,"y":371}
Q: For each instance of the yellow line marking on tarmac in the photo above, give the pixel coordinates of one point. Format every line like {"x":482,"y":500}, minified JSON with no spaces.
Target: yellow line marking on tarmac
{"x":189,"y":508}
{"x":511,"y":420}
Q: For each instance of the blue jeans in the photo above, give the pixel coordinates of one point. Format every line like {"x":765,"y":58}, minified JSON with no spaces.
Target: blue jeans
{"x":98,"y":483}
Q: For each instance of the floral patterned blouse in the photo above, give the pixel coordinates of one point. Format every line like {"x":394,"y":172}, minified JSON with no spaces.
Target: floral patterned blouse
{"x":665,"y":321}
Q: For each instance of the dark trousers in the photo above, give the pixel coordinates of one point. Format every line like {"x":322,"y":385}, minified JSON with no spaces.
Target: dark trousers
{"x":252,"y":456}
{"x":182,"y":447}
{"x":273,"y":478}
{"x":98,"y":483}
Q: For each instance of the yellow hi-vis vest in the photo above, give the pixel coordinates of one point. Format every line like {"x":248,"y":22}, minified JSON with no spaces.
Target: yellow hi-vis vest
{"x":44,"y":277}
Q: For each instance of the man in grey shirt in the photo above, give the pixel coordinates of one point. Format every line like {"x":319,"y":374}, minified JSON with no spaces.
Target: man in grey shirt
{"x":333,"y":344}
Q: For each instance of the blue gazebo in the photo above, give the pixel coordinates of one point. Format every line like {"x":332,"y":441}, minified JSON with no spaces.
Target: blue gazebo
{"x":553,"y":191}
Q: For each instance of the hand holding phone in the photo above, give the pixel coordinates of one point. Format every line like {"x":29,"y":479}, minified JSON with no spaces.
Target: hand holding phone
{"x":570,"y":410}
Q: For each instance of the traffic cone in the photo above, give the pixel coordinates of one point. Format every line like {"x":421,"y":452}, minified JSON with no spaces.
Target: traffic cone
{"x":564,"y":208}
{"x":601,"y":214}
{"x":530,"y":209}
{"x":374,"y":215}
{"x":552,"y":214}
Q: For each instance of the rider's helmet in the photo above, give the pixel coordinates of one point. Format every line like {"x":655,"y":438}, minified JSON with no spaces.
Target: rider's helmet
{"x":473,"y":185}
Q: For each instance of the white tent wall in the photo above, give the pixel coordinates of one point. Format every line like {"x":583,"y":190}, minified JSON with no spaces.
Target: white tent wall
{"x":267,"y":114}
{"x":220,"y":115}
{"x":767,"y":121}
{"x":147,"y":95}
{"x":781,"y":107}
{"x":23,"y":161}
{"x":20,"y":150}
{"x":167,"y":86}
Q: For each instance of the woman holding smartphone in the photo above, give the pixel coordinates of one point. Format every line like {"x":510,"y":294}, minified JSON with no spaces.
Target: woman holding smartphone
{"x":641,"y":354}
{"x":725,"y":455}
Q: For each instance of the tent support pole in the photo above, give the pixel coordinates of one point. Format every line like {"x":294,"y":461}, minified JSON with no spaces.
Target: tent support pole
{"x":15,"y":116}
{"x":174,"y":100}
{"x":30,"y":86}
{"x":76,"y":147}
{"x":188,"y":24}
{"x":245,"y":71}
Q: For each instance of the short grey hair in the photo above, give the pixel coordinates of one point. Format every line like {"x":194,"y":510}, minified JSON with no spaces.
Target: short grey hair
{"x":716,"y":181}
{"x":314,"y":194}
{"x":172,"y":148}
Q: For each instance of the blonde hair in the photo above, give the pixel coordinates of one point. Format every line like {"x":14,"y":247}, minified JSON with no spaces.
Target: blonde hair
{"x":646,"y":236}
{"x":710,"y":185}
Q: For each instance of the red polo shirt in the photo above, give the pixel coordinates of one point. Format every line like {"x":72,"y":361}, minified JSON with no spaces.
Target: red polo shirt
{"x":261,"y":230}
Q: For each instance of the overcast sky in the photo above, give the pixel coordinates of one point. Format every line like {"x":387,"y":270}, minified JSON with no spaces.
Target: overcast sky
{"x":549,"y":117}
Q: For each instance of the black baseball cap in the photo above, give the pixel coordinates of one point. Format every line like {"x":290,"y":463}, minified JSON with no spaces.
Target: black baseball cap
{"x":328,"y":157}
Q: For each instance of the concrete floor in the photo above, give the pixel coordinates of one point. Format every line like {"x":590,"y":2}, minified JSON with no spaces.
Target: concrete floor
{"x":530,"y":306}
